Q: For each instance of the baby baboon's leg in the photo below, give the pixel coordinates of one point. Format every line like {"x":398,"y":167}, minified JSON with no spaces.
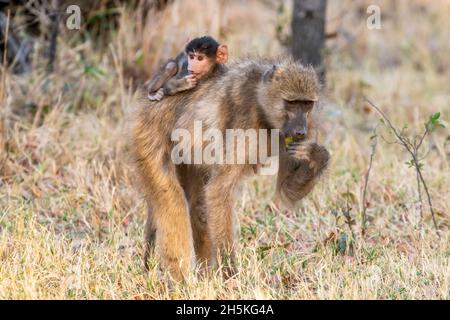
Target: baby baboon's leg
{"x":168,"y":71}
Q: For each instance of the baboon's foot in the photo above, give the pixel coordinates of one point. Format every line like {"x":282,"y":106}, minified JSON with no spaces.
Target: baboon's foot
{"x":179,"y":269}
{"x":203,"y":252}
{"x":157,"y":96}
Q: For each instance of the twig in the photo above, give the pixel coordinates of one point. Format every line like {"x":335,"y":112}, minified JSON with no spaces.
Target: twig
{"x":421,"y":139}
{"x":429,"y":199}
{"x":419,"y":189}
{"x":348,"y":218}
{"x":413,"y":152}
{"x":420,"y":195}
{"x":372,"y":154}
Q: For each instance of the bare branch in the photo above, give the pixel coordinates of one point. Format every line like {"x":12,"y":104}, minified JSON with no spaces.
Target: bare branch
{"x":405,"y":143}
{"x":372,"y":154}
{"x":423,"y":137}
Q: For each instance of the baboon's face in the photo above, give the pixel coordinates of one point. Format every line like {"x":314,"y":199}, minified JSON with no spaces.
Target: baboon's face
{"x":297,"y":114}
{"x":199,"y":64}
{"x":288,"y":95}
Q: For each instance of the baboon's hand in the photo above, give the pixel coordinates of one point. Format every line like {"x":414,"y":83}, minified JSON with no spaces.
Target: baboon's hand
{"x":157,"y":96}
{"x":314,"y":154}
{"x":190,"y":81}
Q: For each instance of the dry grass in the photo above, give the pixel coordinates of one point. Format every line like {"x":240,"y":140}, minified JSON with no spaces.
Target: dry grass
{"x":71,"y":224}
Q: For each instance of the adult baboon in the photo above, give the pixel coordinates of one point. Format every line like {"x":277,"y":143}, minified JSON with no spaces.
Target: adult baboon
{"x":191,"y":205}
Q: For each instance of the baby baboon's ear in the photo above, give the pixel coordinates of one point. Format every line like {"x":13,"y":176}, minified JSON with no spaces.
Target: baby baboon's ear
{"x":222,"y":54}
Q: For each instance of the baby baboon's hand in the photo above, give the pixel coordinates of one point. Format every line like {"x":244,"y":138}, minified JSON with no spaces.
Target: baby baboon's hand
{"x":191,"y":81}
{"x":314,"y":154}
{"x":156,"y":96}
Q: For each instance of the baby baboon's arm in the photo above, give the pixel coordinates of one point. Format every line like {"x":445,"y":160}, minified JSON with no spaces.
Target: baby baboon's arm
{"x":300,"y":167}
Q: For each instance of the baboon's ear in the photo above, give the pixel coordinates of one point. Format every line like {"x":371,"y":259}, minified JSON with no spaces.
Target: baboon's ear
{"x":222,"y":54}
{"x":268,"y":75}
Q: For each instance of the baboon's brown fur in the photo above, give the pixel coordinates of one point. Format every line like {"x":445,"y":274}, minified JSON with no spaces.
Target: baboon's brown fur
{"x":191,"y":206}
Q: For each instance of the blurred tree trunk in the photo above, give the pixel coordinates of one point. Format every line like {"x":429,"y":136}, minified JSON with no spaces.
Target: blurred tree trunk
{"x":54,"y":16}
{"x":308,"y":33}
{"x":17,"y":50}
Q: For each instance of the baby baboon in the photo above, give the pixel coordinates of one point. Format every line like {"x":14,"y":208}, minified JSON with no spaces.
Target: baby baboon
{"x":199,"y":59}
{"x":191,"y":205}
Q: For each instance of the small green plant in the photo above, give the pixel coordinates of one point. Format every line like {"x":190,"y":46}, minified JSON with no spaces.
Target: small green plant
{"x":412,"y":145}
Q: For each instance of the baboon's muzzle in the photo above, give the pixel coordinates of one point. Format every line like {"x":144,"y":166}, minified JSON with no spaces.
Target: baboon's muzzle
{"x":297,"y":128}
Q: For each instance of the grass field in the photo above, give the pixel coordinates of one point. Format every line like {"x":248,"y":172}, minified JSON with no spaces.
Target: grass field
{"x":71,"y":221}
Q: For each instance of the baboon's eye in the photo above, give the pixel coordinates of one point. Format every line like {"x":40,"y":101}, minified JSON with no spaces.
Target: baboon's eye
{"x":292,"y":105}
{"x":304,"y":106}
{"x":291,"y":102}
{"x":307,"y":106}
